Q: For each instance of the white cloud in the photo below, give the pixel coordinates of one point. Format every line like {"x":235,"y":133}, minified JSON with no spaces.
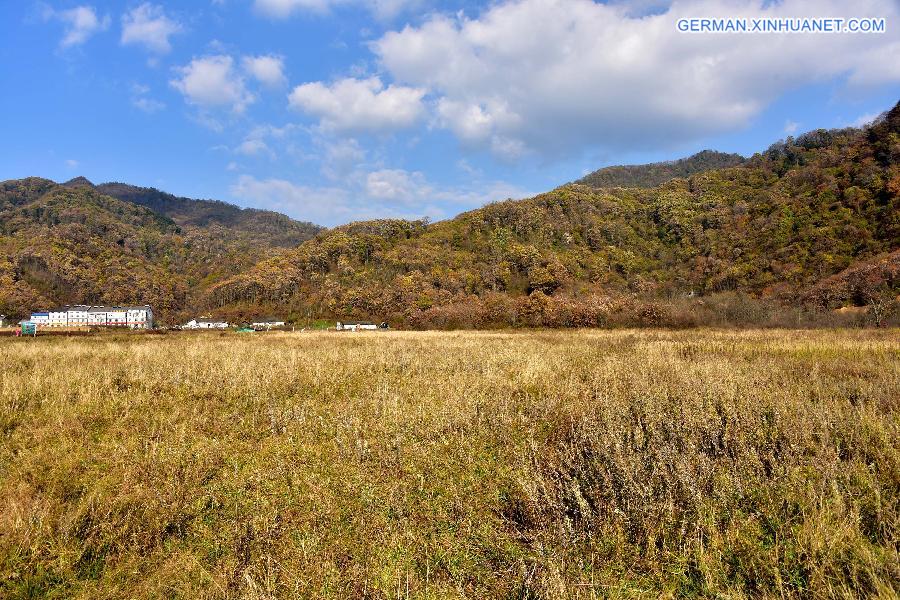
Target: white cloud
{"x":356,"y":105}
{"x":865,"y":119}
{"x":317,"y":204}
{"x":253,"y":147}
{"x":560,"y":76}
{"x":212,"y":81}
{"x":388,"y":9}
{"x":396,"y":185}
{"x":71,"y":163}
{"x":411,"y":189}
{"x":147,"y":25}
{"x":142,"y":102}
{"x":147,"y":105}
{"x":790,"y":127}
{"x":81,"y":23}
{"x":385,"y":193}
{"x":281,"y":9}
{"x":204,"y":119}
{"x":383,"y":9}
{"x":257,"y":141}
{"x":340,"y":158}
{"x":268,"y":69}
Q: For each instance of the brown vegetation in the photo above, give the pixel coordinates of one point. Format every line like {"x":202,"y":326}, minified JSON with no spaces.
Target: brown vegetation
{"x":776,"y":227}
{"x":573,"y":464}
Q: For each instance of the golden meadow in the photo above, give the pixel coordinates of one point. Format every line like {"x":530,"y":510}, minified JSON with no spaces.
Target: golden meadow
{"x":542,"y":464}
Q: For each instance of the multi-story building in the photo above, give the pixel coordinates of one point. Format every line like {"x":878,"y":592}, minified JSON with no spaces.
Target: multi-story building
{"x":113,"y":316}
{"x":57,"y":318}
{"x":41,"y":319}
{"x":77,"y":316}
{"x":134,"y":317}
{"x":139,"y":317}
{"x":97,"y":316}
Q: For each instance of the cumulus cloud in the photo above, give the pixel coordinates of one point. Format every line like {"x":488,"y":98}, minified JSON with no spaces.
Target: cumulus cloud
{"x":147,"y":25}
{"x":213,"y":81}
{"x":357,"y":105}
{"x":559,"y":76}
{"x":267,"y":69}
{"x":80,"y":23}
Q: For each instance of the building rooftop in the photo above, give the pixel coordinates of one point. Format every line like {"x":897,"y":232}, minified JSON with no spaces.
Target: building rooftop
{"x":94,"y":308}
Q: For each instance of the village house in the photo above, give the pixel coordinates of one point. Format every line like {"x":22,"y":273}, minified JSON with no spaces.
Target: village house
{"x":206,"y":323}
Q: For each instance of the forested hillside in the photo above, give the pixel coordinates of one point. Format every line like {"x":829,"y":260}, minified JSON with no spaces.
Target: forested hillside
{"x":774,"y":227}
{"x":76,"y":243}
{"x":812,"y":221}
{"x":258,"y":226}
{"x":658,"y":173}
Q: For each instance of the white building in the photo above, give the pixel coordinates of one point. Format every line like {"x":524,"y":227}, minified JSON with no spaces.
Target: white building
{"x":355,"y":326}
{"x":267,"y":324}
{"x":97,"y":316}
{"x":205,"y":323}
{"x":80,"y":315}
{"x":139,"y":317}
{"x":40,"y":319}
{"x":58,"y":317}
{"x":77,"y":316}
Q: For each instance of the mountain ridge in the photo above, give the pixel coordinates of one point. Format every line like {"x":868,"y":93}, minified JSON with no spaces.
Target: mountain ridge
{"x":772,"y":227}
{"x":72,"y":243}
{"x":653,"y":174}
{"x":812,"y":221}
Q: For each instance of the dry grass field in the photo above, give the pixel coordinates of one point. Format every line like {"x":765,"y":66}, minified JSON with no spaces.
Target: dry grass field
{"x":558,"y":464}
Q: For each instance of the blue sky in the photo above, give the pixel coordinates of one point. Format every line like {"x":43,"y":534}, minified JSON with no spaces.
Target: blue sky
{"x":339,"y":110}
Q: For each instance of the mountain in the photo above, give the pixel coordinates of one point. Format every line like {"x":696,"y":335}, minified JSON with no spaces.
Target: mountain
{"x":78,"y":181}
{"x":773,"y":227}
{"x":656,"y":174}
{"x":114,"y":243}
{"x":812,"y":223}
{"x":275,"y":228}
